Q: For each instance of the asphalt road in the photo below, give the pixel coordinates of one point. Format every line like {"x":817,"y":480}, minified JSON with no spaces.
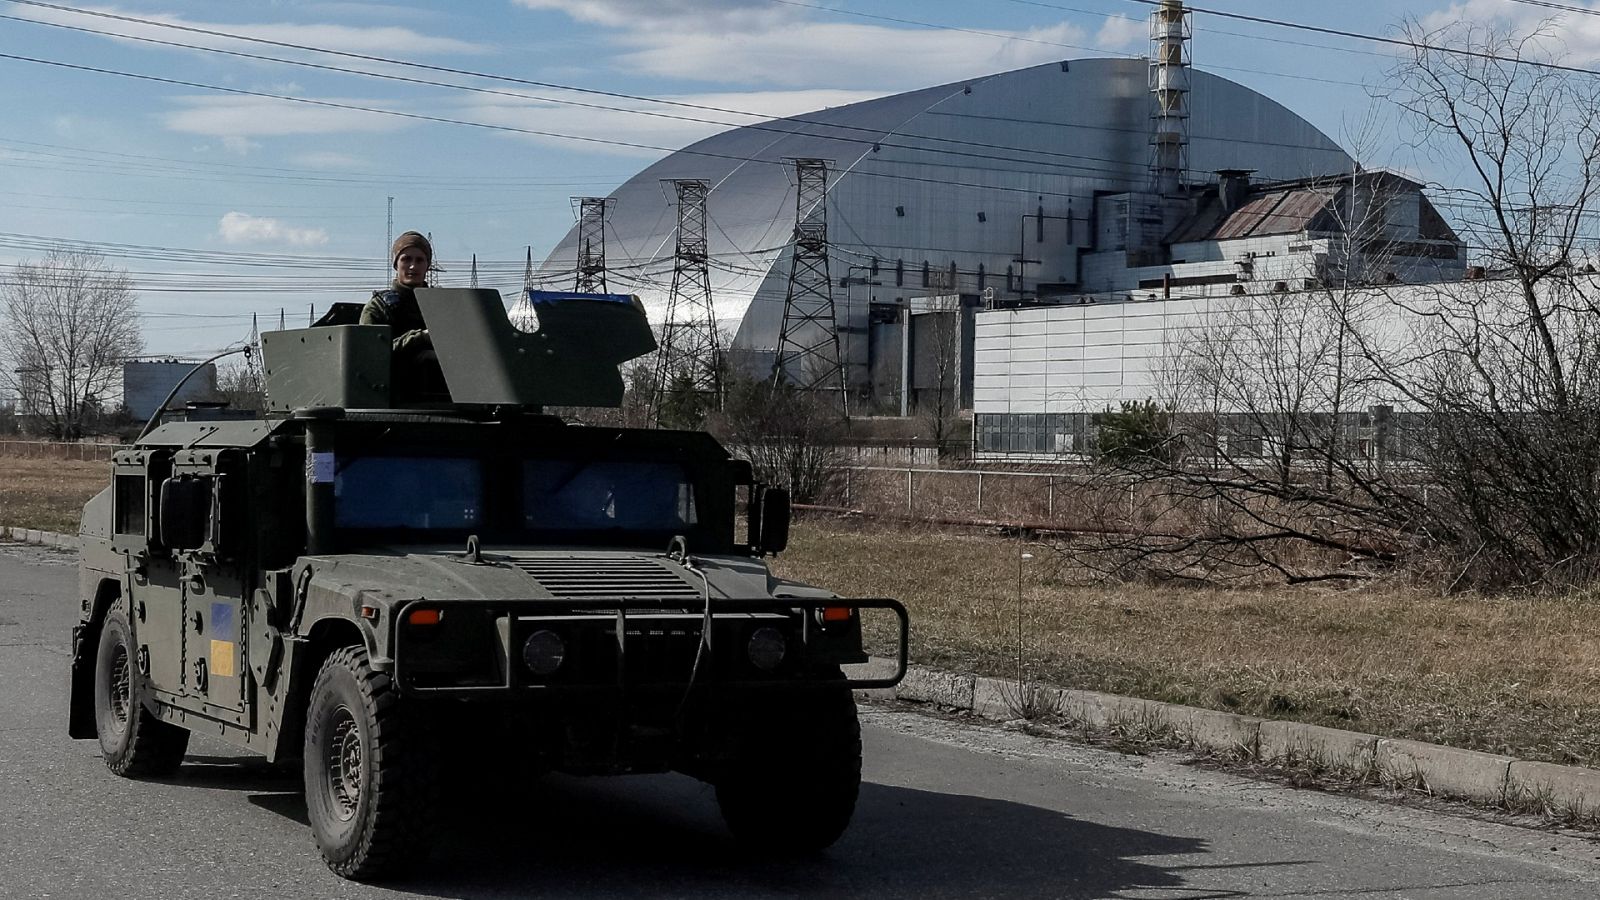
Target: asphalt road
{"x":949,"y":810}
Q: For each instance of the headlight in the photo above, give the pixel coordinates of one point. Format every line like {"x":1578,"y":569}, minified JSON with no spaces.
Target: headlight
{"x":767,"y":648}
{"x":544,"y":652}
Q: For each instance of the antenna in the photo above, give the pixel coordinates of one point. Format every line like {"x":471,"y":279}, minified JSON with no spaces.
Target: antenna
{"x":690,"y":358}
{"x":389,"y":240}
{"x":808,"y":343}
{"x":592,"y":243}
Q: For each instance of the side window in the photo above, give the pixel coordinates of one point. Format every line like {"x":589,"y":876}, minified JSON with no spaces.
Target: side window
{"x":131,"y":493}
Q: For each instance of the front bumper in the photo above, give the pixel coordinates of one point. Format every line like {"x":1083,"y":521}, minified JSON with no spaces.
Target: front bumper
{"x":636,"y":646}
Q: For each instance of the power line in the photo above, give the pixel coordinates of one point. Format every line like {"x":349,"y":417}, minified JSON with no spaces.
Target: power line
{"x":875,"y":137}
{"x":329,"y":104}
{"x":1562,"y":7}
{"x":1380,"y":39}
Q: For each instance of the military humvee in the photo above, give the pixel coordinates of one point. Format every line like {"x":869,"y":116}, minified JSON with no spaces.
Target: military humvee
{"x":369,"y":583}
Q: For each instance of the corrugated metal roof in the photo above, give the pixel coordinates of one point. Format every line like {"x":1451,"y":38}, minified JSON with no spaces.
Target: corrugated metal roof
{"x":1242,"y":222}
{"x":1271,"y":211}
{"x":1294,"y":212}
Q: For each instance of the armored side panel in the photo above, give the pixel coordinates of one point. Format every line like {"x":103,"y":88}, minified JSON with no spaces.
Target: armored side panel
{"x":338,"y":365}
{"x":571,"y":360}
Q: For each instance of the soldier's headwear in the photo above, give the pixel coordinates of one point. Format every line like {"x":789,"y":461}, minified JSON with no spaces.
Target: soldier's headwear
{"x":409,"y":239}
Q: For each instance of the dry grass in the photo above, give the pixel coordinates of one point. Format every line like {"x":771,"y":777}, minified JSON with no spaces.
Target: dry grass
{"x":1508,"y":675}
{"x":48,"y":494}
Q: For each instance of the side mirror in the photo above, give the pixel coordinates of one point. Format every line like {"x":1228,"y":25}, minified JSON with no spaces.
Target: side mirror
{"x":775,"y":516}
{"x":185,"y":512}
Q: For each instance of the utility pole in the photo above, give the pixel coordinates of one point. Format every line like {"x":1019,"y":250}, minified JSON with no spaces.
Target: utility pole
{"x":690,"y":356}
{"x":592,"y":243}
{"x":808,"y":343}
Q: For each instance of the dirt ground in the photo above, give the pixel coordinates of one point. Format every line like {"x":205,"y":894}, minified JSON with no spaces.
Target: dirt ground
{"x":1507,"y":675}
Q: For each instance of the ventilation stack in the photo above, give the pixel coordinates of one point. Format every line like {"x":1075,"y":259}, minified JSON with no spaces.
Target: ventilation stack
{"x":1169,"y":83}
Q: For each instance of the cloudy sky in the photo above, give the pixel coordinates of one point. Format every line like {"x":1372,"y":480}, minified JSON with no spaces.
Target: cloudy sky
{"x":237,"y":158}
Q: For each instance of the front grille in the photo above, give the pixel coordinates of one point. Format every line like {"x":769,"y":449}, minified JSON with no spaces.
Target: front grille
{"x":569,"y":577}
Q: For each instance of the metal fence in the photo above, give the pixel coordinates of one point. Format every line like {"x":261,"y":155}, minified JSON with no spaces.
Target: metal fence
{"x":974,"y":493}
{"x":89,"y":452}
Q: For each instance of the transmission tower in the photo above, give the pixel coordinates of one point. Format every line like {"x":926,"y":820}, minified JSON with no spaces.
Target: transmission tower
{"x":474,"y":270}
{"x":527,"y":271}
{"x":690,"y":357}
{"x":808,"y":343}
{"x":592,"y":243}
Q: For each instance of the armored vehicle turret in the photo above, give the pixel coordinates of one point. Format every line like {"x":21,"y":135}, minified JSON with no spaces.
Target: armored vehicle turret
{"x":404,"y":560}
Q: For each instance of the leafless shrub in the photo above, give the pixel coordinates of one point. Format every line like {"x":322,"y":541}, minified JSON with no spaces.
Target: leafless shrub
{"x":791,"y":436}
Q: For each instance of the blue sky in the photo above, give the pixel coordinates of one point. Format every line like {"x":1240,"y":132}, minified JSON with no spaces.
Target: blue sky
{"x":261,"y":203}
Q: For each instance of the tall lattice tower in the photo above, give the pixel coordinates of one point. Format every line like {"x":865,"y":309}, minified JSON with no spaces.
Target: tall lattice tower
{"x":808,"y":343}
{"x":592,"y":243}
{"x":1169,"y":83}
{"x":690,"y":356}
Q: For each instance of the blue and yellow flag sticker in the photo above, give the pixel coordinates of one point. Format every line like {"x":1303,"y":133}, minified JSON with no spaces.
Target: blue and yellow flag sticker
{"x":222,"y":658}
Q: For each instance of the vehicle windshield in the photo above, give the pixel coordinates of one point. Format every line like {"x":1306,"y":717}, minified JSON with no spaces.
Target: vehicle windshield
{"x":556,"y":495}
{"x":418,"y":492}
{"x":577,"y":495}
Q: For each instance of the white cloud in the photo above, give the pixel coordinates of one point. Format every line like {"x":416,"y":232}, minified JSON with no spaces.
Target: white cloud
{"x":1574,"y":37}
{"x":677,"y":15}
{"x":243,"y":228}
{"x":248,"y":117}
{"x":240,"y":146}
{"x":842,"y":54}
{"x":656,"y":131}
{"x":387,"y":40}
{"x":327,"y":159}
{"x":1121,"y":33}
{"x":758,"y":42}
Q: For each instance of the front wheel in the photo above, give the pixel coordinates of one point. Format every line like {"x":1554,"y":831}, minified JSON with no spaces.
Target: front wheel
{"x":794,"y":788}
{"x":369,"y":772}
{"x":133,"y":740}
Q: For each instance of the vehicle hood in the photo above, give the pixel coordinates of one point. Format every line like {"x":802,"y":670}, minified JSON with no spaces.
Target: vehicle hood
{"x":543,"y":574}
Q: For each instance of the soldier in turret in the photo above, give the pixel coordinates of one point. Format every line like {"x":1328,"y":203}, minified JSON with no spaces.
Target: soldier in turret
{"x":415,"y":367}
{"x":412,"y":257}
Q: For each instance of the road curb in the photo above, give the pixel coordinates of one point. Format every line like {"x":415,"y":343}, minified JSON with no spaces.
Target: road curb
{"x":35,"y":536}
{"x":1434,"y":768}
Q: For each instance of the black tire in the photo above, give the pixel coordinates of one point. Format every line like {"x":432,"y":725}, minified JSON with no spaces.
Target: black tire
{"x":134,"y":742}
{"x":794,"y":788}
{"x":370,"y":774}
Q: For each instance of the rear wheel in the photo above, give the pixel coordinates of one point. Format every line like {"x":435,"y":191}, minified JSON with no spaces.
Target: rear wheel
{"x":794,"y":787}
{"x":369,"y":771}
{"x":133,"y":741}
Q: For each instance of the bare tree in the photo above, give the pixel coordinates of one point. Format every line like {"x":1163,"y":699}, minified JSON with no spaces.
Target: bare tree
{"x":941,"y":401}
{"x":1452,"y":426}
{"x":69,"y":325}
{"x":242,"y":386}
